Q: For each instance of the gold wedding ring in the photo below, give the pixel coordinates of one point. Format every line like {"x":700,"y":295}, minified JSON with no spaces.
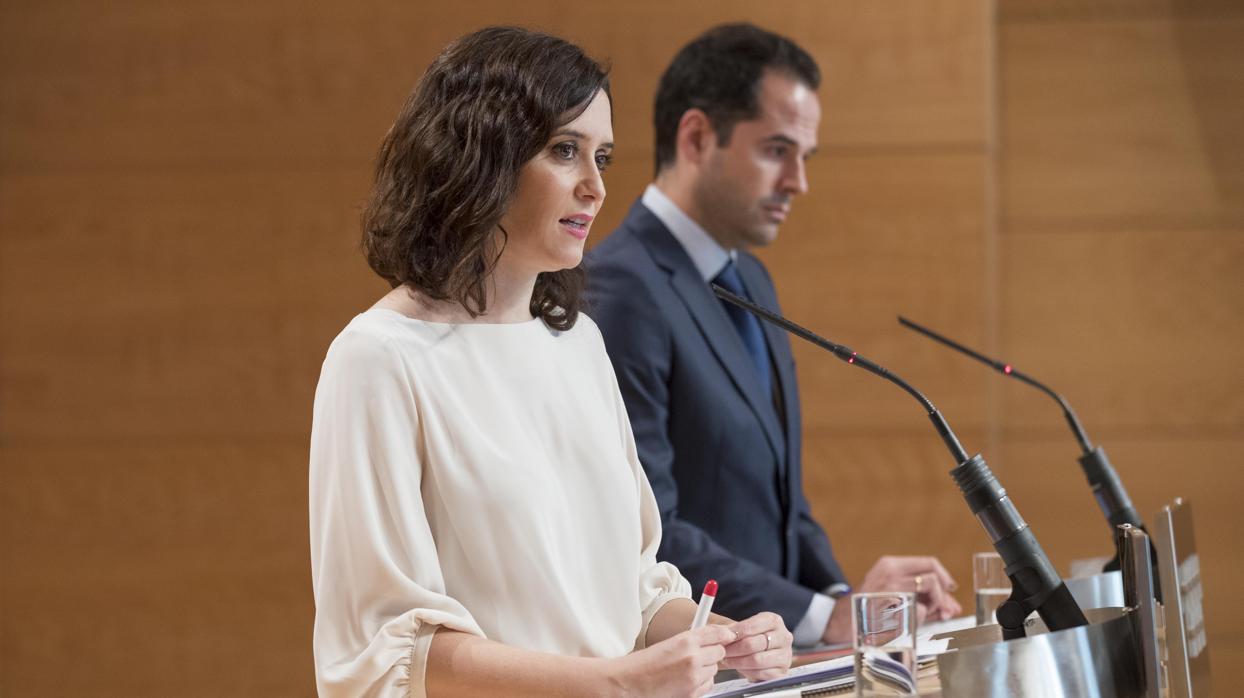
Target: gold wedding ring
{"x":919,"y":580}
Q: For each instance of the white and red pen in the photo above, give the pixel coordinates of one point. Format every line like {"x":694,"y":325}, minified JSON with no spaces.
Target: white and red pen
{"x":706,"y":605}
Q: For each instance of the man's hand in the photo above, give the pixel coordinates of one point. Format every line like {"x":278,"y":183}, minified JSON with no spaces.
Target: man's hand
{"x":924,"y":575}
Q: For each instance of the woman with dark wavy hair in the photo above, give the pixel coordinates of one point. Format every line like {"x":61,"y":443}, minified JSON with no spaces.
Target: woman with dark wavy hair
{"x":480,"y":523}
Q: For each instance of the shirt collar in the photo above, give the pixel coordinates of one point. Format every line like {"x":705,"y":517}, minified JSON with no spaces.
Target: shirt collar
{"x":708,"y":257}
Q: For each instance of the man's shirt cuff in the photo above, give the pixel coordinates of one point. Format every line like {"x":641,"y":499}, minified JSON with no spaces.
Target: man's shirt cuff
{"x":811,"y":627}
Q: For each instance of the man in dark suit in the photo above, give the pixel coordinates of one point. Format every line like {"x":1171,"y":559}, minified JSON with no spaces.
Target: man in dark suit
{"x":710,"y":390}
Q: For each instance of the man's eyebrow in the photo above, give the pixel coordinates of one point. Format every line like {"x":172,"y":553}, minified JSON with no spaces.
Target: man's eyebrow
{"x":782,"y":138}
{"x":580,"y":135}
{"x":787,"y":140}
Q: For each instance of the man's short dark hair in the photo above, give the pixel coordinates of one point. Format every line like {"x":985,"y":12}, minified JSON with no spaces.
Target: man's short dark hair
{"x":719,"y":73}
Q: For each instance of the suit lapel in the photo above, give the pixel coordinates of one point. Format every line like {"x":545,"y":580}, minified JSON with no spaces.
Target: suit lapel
{"x":712,"y":321}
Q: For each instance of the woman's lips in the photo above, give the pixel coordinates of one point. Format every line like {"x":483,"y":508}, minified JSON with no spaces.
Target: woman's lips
{"x":577,"y":225}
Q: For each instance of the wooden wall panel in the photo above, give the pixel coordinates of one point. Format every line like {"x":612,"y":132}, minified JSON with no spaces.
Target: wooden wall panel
{"x":1140,"y":330}
{"x":1042,"y":471}
{"x":882,"y":235}
{"x":178,"y":206}
{"x":1123,"y":124}
{"x":1120,"y":260}
{"x":1045,"y":482}
{"x":179,"y":189}
{"x":175,"y":305}
{"x":1068,"y":10}
{"x":210,"y":84}
{"x":890,"y":492}
{"x":903,"y":74}
{"x":175,"y":568}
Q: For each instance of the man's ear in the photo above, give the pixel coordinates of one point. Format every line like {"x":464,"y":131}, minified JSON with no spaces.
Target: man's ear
{"x":695,"y":136}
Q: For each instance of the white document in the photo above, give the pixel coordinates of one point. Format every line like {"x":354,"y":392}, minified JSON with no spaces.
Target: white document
{"x":829,"y":671}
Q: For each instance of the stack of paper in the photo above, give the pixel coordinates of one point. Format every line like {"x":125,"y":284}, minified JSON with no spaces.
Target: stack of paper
{"x":839,"y":672}
{"x":830,"y":673}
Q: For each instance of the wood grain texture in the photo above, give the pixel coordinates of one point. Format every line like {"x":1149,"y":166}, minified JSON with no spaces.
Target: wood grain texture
{"x":1140,"y":331}
{"x":1122,"y":124}
{"x":179,"y":195}
{"x":1067,"y":10}
{"x":156,"y":569}
{"x":1120,"y":260}
{"x":873,"y":240}
{"x":1046,"y":484}
{"x":890,"y":493}
{"x":176,"y":305}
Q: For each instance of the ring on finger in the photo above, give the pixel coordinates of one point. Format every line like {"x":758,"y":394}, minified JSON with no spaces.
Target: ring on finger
{"x":768,"y":642}
{"x":919,"y":580}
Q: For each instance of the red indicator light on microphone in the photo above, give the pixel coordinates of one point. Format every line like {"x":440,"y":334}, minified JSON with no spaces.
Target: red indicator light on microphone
{"x":710,"y":589}
{"x":1007,"y":369}
{"x":852,"y":359}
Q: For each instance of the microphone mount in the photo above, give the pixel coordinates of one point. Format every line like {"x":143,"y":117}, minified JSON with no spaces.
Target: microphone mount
{"x":1035,"y":586}
{"x":1107,"y":488}
{"x":1008,"y":370}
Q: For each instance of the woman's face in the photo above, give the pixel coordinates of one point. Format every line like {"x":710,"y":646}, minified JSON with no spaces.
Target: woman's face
{"x":559,"y":192}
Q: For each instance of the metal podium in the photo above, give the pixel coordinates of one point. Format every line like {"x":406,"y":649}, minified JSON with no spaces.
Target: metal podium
{"x":1139,"y":649}
{"x":1186,"y":658}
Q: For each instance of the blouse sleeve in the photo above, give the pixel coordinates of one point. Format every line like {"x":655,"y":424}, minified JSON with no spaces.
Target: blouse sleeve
{"x":379,"y":591}
{"x":659,"y":582}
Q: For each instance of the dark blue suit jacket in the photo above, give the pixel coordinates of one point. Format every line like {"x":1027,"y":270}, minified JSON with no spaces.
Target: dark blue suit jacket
{"x":723,"y":460}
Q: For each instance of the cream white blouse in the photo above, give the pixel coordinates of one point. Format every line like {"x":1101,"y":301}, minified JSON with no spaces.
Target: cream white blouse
{"x":477,"y":477}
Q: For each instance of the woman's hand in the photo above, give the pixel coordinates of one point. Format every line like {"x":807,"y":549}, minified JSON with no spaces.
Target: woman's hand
{"x":763,"y":648}
{"x":684,"y":665}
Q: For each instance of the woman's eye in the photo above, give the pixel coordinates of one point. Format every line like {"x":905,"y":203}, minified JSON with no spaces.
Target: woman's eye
{"x":565,"y":151}
{"x":603,"y":161}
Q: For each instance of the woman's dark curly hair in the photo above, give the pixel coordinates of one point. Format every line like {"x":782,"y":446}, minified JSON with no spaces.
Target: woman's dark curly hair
{"x":448,"y":167}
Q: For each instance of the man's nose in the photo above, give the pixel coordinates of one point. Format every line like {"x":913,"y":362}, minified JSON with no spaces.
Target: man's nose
{"x":795,"y":178}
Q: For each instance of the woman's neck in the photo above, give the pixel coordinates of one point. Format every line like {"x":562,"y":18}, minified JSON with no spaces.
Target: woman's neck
{"x":509,"y":294}
{"x":508,"y":298}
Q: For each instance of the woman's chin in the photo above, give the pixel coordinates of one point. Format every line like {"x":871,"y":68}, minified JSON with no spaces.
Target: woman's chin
{"x":568,"y":259}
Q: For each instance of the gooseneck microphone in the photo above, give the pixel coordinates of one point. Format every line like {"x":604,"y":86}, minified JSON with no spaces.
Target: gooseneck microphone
{"x":1035,"y":586}
{"x":1108,"y":490}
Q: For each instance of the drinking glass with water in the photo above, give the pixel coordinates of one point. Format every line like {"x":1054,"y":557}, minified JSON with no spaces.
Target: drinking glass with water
{"x":991,"y":584}
{"x":885,"y":643}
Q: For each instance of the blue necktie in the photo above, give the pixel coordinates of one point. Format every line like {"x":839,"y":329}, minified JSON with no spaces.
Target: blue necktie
{"x":747,"y":325}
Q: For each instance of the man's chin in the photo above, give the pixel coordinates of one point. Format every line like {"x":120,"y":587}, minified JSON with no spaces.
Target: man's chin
{"x":762,"y":235}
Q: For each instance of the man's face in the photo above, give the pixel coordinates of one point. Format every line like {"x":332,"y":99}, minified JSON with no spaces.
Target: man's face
{"x":744,"y":189}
